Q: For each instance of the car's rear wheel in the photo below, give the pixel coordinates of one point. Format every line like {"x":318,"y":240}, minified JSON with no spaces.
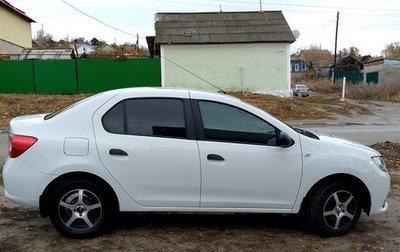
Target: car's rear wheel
{"x":335,"y":209}
{"x":79,"y":209}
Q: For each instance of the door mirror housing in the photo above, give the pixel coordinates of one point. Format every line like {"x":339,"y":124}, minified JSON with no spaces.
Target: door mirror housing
{"x":284,"y":140}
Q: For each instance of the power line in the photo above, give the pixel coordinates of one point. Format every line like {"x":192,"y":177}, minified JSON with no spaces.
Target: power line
{"x":98,"y":20}
{"x":326,"y":25}
{"x":311,"y":6}
{"x":195,"y":75}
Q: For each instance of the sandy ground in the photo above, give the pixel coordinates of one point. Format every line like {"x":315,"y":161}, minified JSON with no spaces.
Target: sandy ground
{"x":22,"y":229}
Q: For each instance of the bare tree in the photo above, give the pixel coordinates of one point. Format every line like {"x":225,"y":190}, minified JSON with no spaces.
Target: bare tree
{"x":392,"y":50}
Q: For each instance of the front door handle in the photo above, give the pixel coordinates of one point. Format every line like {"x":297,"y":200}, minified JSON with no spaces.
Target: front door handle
{"x":215,"y":157}
{"x":118,"y":152}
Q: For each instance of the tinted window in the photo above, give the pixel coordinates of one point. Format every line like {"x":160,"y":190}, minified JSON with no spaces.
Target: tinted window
{"x":147,"y":117}
{"x":227,"y":123}
{"x":113,"y":120}
{"x":155,"y":117}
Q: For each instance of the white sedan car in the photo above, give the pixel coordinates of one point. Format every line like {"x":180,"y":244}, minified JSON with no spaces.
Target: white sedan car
{"x":144,"y":150}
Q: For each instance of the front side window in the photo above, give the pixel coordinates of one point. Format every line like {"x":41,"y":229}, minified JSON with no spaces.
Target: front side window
{"x":226,"y":123}
{"x":147,"y":117}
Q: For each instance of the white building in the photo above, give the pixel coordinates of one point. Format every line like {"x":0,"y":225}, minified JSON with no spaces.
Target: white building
{"x":233,"y":51}
{"x":382,"y":71}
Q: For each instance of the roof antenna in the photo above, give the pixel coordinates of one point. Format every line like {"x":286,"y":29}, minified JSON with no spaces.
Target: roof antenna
{"x":220,"y":8}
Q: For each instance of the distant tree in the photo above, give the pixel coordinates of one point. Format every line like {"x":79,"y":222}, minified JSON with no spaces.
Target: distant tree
{"x":392,"y":50}
{"x":43,"y":40}
{"x":352,"y":51}
{"x":121,"y":51}
{"x":309,"y":47}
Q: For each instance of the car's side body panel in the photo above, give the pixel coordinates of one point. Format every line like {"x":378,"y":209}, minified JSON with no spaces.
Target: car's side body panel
{"x":166,"y":174}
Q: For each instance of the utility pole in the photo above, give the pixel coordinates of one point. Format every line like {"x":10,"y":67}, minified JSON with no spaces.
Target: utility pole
{"x":137,"y":45}
{"x":261,"y":10}
{"x":334,"y":59}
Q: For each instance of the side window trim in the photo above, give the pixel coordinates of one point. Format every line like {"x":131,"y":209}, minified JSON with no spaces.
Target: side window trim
{"x":124,"y":120}
{"x":200,"y":130}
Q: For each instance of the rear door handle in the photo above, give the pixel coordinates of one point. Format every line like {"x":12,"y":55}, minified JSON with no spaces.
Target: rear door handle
{"x":118,"y":152}
{"x":215,"y":157}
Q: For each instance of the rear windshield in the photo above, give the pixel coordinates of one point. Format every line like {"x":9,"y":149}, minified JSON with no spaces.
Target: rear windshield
{"x":60,"y":111}
{"x":301,"y":86}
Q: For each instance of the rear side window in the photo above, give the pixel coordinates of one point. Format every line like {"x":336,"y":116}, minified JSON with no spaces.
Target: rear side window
{"x":113,"y":120}
{"x":226,"y":123}
{"x":147,"y":117}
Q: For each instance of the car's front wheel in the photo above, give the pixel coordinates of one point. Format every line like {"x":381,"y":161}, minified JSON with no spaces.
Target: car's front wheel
{"x":79,"y":209}
{"x":335,"y":209}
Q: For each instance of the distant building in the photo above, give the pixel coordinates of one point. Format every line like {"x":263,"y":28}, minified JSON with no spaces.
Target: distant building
{"x":45,"y":54}
{"x":316,"y":61}
{"x":231,"y":50}
{"x":383,"y":71}
{"x":315,"y":57}
{"x":349,"y":64}
{"x":82,"y":50}
{"x":15,"y":29}
{"x":298,"y":66}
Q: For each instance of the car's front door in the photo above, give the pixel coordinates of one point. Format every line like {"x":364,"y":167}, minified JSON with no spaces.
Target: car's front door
{"x":242,"y":166}
{"x":146,"y":145}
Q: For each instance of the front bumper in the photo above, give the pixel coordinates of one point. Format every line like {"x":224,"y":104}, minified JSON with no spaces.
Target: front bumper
{"x":379,"y":186}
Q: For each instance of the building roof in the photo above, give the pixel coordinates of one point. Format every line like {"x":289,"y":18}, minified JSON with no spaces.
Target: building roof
{"x":44,"y":54}
{"x":222,"y":27}
{"x":316,"y":57}
{"x":15,"y":10}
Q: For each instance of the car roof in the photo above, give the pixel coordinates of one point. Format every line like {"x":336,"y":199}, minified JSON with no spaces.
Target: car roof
{"x":172,"y":92}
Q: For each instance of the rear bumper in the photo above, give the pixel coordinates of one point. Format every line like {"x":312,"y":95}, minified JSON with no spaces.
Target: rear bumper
{"x":24,"y":184}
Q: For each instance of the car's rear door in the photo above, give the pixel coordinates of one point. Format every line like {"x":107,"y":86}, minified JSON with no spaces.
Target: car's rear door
{"x":148,"y":146}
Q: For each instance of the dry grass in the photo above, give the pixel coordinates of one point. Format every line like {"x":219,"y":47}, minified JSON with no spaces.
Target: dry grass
{"x":374,"y":92}
{"x":391,"y":152}
{"x":324,"y":86}
{"x":385,"y":92}
{"x":284,"y":108}
{"x":12,"y":105}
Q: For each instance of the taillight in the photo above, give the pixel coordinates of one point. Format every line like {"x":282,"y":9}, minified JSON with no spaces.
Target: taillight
{"x":19,"y":144}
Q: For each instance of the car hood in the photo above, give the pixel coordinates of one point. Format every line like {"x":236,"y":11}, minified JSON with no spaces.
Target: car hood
{"x":329,"y":139}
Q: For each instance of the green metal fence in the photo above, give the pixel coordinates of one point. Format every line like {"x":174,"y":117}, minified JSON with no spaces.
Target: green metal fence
{"x":77,"y":76}
{"x":355,"y":78}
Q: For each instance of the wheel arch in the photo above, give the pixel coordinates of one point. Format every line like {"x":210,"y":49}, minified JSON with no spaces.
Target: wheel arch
{"x":44,"y":198}
{"x":348,"y":179}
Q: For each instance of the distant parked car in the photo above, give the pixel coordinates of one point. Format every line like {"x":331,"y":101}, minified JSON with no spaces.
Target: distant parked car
{"x":300,"y":90}
{"x":145,"y":150}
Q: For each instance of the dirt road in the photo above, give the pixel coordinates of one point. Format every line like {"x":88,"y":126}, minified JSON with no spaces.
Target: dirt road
{"x":23,"y":229}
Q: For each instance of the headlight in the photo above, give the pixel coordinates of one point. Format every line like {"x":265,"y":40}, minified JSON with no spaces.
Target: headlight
{"x":380,"y":163}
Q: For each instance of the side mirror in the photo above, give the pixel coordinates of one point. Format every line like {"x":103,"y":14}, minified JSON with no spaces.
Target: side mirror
{"x":284,"y":140}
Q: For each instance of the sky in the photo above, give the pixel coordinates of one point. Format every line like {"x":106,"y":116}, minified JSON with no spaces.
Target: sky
{"x":369,"y":24}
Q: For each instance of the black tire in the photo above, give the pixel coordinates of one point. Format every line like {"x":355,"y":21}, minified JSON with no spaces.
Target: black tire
{"x":335,"y":209}
{"x":80,"y":209}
